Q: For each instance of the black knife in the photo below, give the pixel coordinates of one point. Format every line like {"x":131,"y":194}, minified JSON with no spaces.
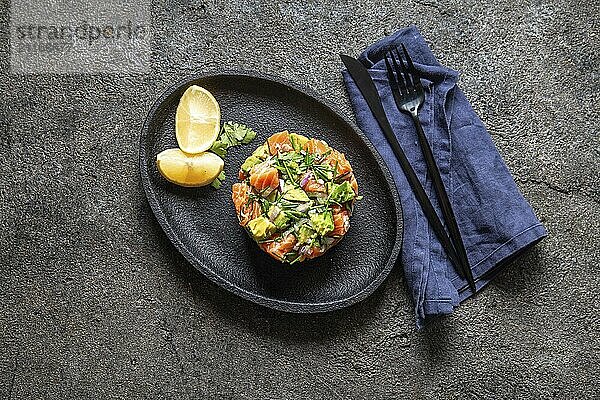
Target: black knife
{"x":365,"y":84}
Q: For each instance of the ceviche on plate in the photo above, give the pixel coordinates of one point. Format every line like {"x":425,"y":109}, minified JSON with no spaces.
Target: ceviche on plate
{"x":295,"y":197}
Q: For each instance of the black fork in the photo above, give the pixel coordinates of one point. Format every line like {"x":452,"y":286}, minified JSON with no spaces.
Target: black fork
{"x":409,"y":96}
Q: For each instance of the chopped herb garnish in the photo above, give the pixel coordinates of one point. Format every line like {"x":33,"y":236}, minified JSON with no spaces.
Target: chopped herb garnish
{"x":219,"y":148}
{"x":295,"y":260}
{"x":218,"y":180}
{"x":323,"y":172}
{"x":232,"y":134}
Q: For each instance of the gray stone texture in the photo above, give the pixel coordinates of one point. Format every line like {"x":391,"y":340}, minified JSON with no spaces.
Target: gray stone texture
{"x":96,"y":303}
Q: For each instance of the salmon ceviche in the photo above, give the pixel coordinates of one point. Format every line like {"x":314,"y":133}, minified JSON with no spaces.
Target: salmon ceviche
{"x":295,"y":197}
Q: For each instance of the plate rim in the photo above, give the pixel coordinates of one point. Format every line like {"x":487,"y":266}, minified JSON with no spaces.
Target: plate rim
{"x":277,"y":304}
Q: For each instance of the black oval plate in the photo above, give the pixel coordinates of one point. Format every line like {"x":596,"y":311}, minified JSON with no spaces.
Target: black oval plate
{"x":202,"y":224}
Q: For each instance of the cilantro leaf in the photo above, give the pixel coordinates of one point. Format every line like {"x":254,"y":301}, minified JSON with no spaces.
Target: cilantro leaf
{"x":232,"y":134}
{"x":236,"y":134}
{"x":218,"y":180}
{"x":219,"y":148}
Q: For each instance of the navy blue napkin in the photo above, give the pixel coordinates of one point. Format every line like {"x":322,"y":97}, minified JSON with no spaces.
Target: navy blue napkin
{"x":495,"y":221}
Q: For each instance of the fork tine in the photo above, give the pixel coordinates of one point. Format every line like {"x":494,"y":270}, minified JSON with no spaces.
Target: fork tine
{"x":397,"y":91}
{"x":411,"y":67}
{"x":404,"y":70}
{"x":390,"y":74}
{"x":401,"y":81}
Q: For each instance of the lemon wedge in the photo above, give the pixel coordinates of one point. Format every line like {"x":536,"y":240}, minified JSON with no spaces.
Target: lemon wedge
{"x":190,"y":170}
{"x":197,"y":121}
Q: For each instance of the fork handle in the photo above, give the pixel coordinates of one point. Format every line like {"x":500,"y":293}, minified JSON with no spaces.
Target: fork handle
{"x":444,"y":201}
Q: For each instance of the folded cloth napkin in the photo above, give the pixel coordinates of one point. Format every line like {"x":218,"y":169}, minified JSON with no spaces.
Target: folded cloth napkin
{"x":495,"y":221}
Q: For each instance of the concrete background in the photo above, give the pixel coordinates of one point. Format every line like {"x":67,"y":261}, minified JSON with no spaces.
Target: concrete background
{"x":96,"y":303}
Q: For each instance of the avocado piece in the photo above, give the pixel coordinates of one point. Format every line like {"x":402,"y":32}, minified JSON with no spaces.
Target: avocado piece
{"x":296,"y":194}
{"x":249,"y":163}
{"x":261,"y":152}
{"x":305,"y":234}
{"x":322,"y":223}
{"x":278,"y":216}
{"x":261,"y":228}
{"x":272,"y":196}
{"x":298,"y":141}
{"x":281,"y":220}
{"x":340,"y":193}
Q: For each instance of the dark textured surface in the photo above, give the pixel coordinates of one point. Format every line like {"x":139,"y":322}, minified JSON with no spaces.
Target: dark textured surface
{"x":202,"y":224}
{"x":96,"y":303}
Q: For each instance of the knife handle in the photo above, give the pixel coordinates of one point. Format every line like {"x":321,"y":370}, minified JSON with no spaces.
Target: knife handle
{"x":444,"y":201}
{"x":423,"y":200}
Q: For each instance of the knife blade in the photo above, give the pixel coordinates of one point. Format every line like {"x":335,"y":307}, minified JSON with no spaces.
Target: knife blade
{"x":365,"y":84}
